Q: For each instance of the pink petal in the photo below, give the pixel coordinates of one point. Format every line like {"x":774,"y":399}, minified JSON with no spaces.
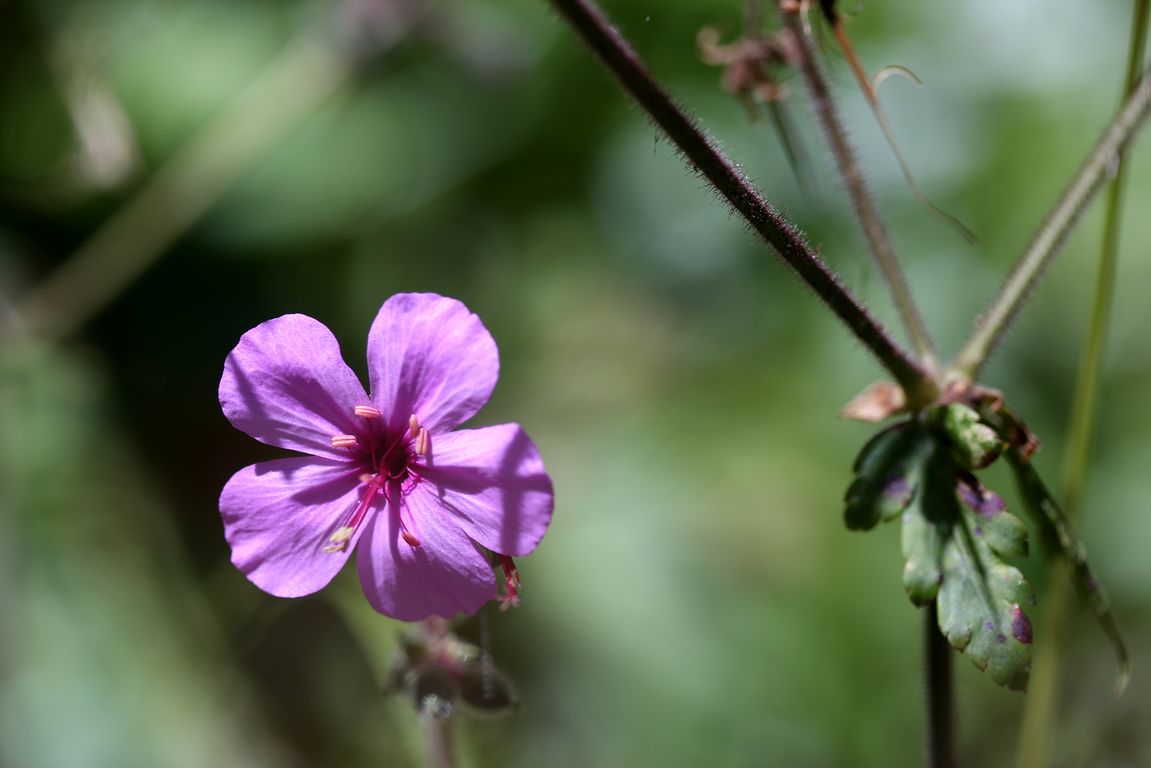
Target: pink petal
{"x":444,"y":576}
{"x":278,"y":517}
{"x":494,"y":484}
{"x":285,"y":384}
{"x":430,"y":356}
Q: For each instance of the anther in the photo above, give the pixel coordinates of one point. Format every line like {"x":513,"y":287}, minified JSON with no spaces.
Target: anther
{"x":413,"y":426}
{"x":367,"y":412}
{"x":409,"y":538}
{"x":339,"y":540}
{"x":345,"y":441}
{"x":423,"y":442}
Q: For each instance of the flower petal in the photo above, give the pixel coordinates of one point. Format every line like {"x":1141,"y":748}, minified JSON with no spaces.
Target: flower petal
{"x":285,"y":384}
{"x":494,"y":483}
{"x":430,"y":356}
{"x":278,"y":517}
{"x":444,"y":576}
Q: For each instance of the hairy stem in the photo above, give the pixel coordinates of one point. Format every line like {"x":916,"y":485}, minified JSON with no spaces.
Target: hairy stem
{"x":874,"y":230}
{"x":1039,"y":711}
{"x":305,"y":74}
{"x":617,"y":55}
{"x":1059,"y":223}
{"x":940,"y":693}
{"x":438,"y":726}
{"x":439,"y":741}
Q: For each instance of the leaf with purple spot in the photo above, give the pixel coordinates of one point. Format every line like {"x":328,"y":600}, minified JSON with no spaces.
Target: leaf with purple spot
{"x":955,"y":536}
{"x":886,"y":476}
{"x":981,"y":600}
{"x":1004,"y":532}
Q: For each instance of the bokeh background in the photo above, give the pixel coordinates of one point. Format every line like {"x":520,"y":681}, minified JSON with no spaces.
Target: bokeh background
{"x":697,"y":600}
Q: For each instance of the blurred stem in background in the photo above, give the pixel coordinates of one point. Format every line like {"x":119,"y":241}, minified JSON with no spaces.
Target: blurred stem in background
{"x":1053,"y":233}
{"x":304,"y":75}
{"x":1039,"y":712}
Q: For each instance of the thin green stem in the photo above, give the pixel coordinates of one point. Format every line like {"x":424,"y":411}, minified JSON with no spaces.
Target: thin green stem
{"x":866,"y":212}
{"x":589,"y":22}
{"x":305,"y":74}
{"x":940,"y":692}
{"x":1054,"y":231}
{"x":1086,"y":400}
{"x":1039,"y":712}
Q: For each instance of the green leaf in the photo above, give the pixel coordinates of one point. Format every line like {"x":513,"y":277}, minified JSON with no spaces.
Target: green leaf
{"x":926,"y":528}
{"x":981,"y":599}
{"x":886,"y":476}
{"x":1055,"y":527}
{"x":955,"y":534}
{"x":975,"y":444}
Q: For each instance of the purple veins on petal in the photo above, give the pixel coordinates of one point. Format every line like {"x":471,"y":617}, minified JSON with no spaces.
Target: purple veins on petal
{"x":431,"y":356}
{"x":493,"y":484}
{"x":278,"y":516}
{"x":445,"y":576}
{"x":286,"y":384}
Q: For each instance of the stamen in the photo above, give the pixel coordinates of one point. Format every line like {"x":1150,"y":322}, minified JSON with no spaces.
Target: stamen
{"x":408,"y":537}
{"x":367,"y":412}
{"x":413,"y":426}
{"x":338,"y":541}
{"x":345,"y":441}
{"x":423,"y":441}
{"x":512,"y":583}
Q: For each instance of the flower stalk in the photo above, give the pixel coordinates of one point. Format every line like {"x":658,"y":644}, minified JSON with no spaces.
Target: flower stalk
{"x":438,"y":724}
{"x":1039,"y":711}
{"x":589,"y":22}
{"x":1054,"y":231}
{"x":866,"y":212}
{"x":940,"y":692}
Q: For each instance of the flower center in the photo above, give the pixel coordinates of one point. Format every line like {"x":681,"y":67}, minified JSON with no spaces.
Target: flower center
{"x":389,"y":464}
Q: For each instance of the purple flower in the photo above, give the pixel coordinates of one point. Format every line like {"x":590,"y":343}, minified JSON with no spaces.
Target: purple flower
{"x":425,"y":505}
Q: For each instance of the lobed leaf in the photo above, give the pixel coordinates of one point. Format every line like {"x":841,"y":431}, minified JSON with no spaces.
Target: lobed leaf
{"x":1055,"y":527}
{"x":956,"y":535}
{"x":926,"y":528}
{"x":885,"y":476}
{"x":981,"y":599}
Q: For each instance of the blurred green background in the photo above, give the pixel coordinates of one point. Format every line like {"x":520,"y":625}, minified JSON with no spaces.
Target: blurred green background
{"x":697,"y":600}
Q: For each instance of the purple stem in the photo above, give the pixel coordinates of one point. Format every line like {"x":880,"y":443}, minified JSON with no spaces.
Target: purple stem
{"x":617,"y":55}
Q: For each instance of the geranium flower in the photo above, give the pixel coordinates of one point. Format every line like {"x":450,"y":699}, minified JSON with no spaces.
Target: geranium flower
{"x":384,"y":473}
